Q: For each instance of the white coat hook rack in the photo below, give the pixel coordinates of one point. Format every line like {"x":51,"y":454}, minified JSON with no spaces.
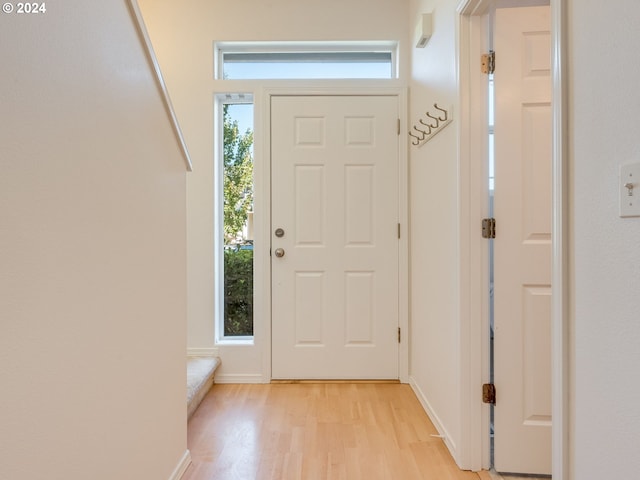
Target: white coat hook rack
{"x":425,"y":130}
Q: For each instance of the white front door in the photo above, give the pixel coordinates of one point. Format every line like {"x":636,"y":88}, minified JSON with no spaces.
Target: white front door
{"x":523,"y":211}
{"x":334,"y":239}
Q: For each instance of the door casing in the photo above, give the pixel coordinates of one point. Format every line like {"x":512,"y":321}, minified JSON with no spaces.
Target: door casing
{"x":473,"y":32}
{"x":264,"y":186}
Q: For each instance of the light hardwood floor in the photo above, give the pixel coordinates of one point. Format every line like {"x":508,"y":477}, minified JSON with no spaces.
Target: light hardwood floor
{"x":316,"y":431}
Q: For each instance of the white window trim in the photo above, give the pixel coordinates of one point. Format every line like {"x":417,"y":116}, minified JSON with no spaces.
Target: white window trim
{"x":220,"y":100}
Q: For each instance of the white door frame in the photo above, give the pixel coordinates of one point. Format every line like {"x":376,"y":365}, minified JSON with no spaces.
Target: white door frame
{"x":474,"y":444}
{"x":263,"y":189}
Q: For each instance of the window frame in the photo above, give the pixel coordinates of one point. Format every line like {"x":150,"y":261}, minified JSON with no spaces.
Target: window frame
{"x":266,"y":48}
{"x":221,"y":99}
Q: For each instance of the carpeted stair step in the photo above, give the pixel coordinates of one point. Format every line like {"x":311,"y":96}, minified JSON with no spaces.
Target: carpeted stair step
{"x":200,"y":371}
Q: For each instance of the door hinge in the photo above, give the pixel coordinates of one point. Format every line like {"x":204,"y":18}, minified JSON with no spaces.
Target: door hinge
{"x":399,"y":335}
{"x":488,"y":62}
{"x":398,"y":230}
{"x":488,"y":228}
{"x":489,"y":393}
{"x":398,"y":126}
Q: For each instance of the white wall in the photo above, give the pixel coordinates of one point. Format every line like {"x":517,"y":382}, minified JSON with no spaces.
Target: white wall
{"x":92,"y":252}
{"x":183,"y":34}
{"x":606,"y":249}
{"x":435,"y":338}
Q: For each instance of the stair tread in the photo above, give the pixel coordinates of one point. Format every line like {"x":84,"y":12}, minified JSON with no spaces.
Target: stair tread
{"x":199,"y":371}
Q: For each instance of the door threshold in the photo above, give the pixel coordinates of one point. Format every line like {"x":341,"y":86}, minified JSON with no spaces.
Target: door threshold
{"x":307,"y":381}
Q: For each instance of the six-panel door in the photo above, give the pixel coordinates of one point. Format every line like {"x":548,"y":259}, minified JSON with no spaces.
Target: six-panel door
{"x":334,"y":186}
{"x":523,"y":240}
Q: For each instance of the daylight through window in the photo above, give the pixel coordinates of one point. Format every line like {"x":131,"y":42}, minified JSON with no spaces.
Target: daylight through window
{"x":307,"y":61}
{"x":237,"y":219}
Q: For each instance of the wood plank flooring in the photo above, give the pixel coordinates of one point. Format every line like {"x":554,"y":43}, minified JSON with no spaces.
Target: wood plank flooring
{"x":316,"y":431}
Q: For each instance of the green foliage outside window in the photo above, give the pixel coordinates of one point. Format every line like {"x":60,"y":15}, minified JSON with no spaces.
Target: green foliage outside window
{"x":238,"y":292}
{"x":238,"y":202}
{"x":238,"y":177}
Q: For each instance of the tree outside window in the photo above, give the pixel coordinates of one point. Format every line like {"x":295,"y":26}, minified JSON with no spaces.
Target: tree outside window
{"x":238,"y":247}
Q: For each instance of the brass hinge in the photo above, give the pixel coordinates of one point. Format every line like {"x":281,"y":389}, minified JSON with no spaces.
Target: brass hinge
{"x":399,"y":335}
{"x":398,"y":230}
{"x":488,"y":228}
{"x":398,"y":126}
{"x":488,"y":62}
{"x":489,"y":393}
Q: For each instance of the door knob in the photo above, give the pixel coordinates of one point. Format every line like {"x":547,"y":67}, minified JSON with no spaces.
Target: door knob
{"x":279,"y":252}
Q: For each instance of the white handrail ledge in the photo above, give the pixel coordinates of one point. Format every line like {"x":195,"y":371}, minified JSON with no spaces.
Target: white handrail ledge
{"x":137,"y":15}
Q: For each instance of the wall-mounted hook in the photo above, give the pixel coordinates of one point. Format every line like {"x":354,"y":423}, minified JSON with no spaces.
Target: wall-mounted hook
{"x":430,"y":125}
{"x":435,"y":118}
{"x":416,"y":141}
{"x":424,"y":134}
{"x":442,"y":110}
{"x":420,"y":137}
{"x":427,"y":125}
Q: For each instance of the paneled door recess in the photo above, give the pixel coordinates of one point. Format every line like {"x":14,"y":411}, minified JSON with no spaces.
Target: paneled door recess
{"x":334,"y":242}
{"x":522,"y":206}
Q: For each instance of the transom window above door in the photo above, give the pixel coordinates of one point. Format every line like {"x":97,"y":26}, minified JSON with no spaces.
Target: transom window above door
{"x":307,"y":60}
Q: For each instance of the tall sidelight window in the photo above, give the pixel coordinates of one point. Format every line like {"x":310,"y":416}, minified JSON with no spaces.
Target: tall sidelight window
{"x":235,"y":218}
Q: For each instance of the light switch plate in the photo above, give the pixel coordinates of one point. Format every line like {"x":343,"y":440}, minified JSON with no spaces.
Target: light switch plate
{"x":630,"y":190}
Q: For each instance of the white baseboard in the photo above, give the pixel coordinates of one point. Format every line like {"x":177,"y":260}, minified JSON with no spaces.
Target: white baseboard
{"x":434,"y":419}
{"x":239,"y":378}
{"x":203,"y":352}
{"x":182,"y":466}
